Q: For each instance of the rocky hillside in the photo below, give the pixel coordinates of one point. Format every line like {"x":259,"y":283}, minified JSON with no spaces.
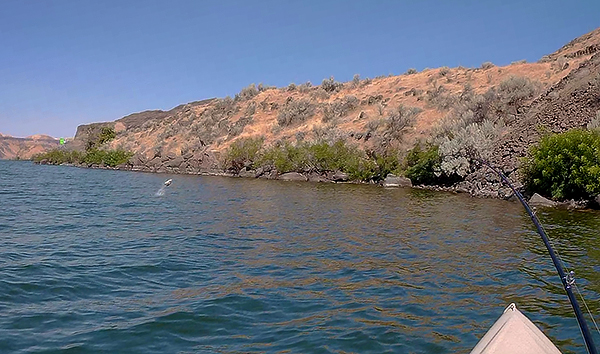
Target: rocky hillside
{"x":24,"y":148}
{"x":558,"y":92}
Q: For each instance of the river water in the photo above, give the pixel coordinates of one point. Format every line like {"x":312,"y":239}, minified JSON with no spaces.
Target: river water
{"x":96,"y":261}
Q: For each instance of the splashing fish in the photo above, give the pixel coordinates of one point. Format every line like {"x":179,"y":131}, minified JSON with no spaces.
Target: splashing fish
{"x":161,"y":191}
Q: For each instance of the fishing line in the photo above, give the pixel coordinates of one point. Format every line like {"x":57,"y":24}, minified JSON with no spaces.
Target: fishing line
{"x":564,"y":264}
{"x":587,"y":308}
{"x":567,"y":279}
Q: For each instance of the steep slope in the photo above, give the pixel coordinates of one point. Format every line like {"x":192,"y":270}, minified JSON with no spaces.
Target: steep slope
{"x":190,"y":137}
{"x":572,"y":102}
{"x":25,"y":148}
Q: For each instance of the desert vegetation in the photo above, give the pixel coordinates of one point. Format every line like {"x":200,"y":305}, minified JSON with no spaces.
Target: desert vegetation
{"x":565,"y":166}
{"x":111,"y":158}
{"x":339,"y":108}
{"x":295,"y":111}
{"x":432,"y":126}
{"x":320,"y":157}
{"x":94,"y":154}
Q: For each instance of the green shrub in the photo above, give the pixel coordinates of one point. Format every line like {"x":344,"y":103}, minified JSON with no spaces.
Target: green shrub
{"x":324,"y":157}
{"x":385,"y":162}
{"x":114,"y":158}
{"x":59,"y":156}
{"x":92,"y":156}
{"x":106,"y":134}
{"x":242,"y":153}
{"x":423,"y":165}
{"x":110,"y":158}
{"x":286,"y":158}
{"x":96,"y":138}
{"x":565,"y":166}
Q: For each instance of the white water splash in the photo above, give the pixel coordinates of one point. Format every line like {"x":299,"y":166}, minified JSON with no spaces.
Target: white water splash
{"x":161,"y":191}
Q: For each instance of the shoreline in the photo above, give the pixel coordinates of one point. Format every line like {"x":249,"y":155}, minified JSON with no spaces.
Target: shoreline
{"x":489,"y":191}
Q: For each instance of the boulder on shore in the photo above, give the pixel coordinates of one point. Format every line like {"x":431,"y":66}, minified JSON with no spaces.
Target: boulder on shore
{"x":247,"y":173}
{"x":292,"y":176}
{"x":339,"y":177}
{"x":538,"y":200}
{"x":396,"y":181}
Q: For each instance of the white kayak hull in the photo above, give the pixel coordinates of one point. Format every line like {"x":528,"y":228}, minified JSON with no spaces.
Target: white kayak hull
{"x":513,"y":333}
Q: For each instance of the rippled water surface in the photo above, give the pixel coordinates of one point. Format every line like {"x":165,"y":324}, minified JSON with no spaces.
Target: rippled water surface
{"x":96,"y":261}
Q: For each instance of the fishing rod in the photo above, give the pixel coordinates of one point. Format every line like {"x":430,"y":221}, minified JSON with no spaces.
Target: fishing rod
{"x":568,"y":280}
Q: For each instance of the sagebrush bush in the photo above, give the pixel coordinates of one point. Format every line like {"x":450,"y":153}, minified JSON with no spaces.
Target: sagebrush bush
{"x":214,"y":122}
{"x":237,"y":128}
{"x":330,"y":85}
{"x":295,"y":111}
{"x":465,"y":145}
{"x":305,"y":87}
{"x":487,"y":65}
{"x":439,"y":98}
{"x":411,"y":71}
{"x":250,"y":109}
{"x":222,"y":108}
{"x":565,"y":166}
{"x":495,"y":105}
{"x":339,"y":108}
{"x":247,"y":93}
{"x":398,"y":120}
{"x":328,"y":133}
{"x":561,"y":63}
{"x":356,"y":80}
{"x":515,"y":90}
{"x":595,"y":122}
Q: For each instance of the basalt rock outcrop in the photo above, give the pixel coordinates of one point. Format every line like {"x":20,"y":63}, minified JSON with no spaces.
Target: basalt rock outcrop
{"x":570,"y":103}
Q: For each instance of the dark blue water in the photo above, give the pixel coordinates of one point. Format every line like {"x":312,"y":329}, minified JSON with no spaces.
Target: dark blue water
{"x":93,"y":261}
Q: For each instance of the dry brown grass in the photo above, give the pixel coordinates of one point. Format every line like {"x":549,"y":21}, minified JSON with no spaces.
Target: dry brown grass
{"x":393,"y":92}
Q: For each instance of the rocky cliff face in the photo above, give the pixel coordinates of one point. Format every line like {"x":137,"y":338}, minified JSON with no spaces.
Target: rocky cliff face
{"x":24,"y":148}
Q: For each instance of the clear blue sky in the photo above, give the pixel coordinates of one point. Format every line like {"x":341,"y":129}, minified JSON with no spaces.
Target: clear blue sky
{"x":65,"y":63}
